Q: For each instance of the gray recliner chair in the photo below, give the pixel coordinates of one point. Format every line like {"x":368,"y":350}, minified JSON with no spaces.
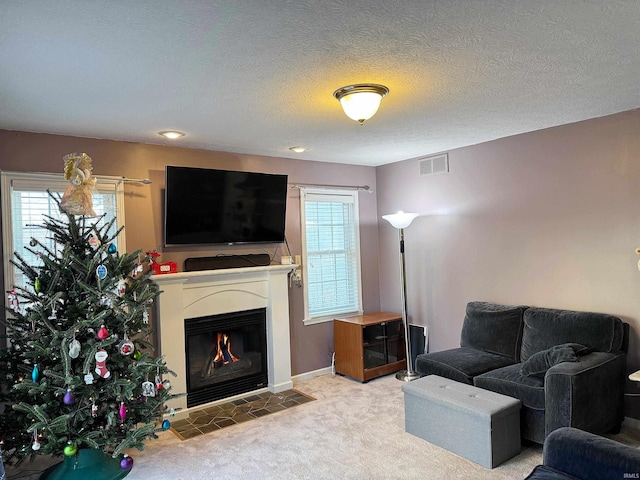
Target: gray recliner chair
{"x":570,"y":454}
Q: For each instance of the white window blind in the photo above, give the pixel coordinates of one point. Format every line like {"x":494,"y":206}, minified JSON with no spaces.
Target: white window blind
{"x":331,"y":254}
{"x":25,"y":202}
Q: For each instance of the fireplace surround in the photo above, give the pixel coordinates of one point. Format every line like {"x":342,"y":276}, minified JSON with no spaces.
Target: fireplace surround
{"x":194,"y":295}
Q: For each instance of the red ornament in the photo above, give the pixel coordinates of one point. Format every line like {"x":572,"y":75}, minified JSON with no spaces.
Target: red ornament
{"x":103,"y":333}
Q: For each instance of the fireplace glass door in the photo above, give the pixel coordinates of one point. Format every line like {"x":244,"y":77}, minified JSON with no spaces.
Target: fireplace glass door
{"x":226,"y":355}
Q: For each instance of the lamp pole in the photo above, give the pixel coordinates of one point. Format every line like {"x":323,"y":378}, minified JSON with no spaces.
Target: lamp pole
{"x":400,"y":221}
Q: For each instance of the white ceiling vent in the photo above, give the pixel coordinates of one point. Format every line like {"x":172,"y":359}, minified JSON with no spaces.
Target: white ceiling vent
{"x":435,"y":165}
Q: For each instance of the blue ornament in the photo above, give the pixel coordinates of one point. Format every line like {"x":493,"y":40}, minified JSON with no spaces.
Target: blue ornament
{"x":35,"y":374}
{"x":166,"y":424}
{"x":101,"y":271}
{"x":112,"y":248}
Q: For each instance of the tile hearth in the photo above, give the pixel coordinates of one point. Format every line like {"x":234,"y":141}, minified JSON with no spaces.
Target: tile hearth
{"x":238,"y":411}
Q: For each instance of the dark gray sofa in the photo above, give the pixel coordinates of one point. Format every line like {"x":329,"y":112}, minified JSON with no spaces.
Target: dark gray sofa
{"x":570,"y":454}
{"x":566,"y":367}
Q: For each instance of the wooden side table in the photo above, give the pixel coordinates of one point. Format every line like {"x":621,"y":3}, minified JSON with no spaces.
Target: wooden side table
{"x":369,"y":345}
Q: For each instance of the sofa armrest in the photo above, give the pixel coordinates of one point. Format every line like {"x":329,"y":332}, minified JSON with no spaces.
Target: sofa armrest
{"x":587,"y":394}
{"x":588,"y":456}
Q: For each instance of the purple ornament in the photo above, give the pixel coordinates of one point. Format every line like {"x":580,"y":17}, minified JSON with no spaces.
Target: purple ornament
{"x":126,"y":463}
{"x":69,"y":398}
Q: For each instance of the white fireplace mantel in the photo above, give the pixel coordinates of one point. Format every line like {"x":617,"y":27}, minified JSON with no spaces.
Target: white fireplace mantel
{"x":213,"y":292}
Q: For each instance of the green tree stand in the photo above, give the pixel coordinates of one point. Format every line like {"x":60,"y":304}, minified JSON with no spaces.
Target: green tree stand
{"x":86,"y":464}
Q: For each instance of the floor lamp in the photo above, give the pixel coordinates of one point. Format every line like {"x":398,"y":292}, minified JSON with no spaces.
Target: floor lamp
{"x":401,"y":221}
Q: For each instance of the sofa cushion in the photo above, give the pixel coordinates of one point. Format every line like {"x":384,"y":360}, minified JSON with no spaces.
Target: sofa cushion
{"x":546,"y":327}
{"x":459,"y":364}
{"x":509,"y":381}
{"x":493,"y":328}
{"x":542,"y":472}
{"x":540,"y":362}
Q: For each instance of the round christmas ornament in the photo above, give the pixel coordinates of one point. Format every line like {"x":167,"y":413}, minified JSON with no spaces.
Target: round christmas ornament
{"x":70,"y":450}
{"x":166,"y":424}
{"x":126,"y":346}
{"x":112,"y":248}
{"x":137,"y":354}
{"x":69,"y":397}
{"x":103,"y":333}
{"x":126,"y":463}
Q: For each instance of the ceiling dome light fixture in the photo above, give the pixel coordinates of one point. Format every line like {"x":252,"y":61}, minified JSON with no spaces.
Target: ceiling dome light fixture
{"x":360,"y":102}
{"x":171,"y":134}
{"x":298,"y":149}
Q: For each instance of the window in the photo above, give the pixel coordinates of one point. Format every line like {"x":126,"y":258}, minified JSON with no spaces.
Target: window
{"x":331,"y":254}
{"x":24,"y":202}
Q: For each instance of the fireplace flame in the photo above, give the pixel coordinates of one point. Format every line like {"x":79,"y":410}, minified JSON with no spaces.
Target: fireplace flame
{"x":224,"y":354}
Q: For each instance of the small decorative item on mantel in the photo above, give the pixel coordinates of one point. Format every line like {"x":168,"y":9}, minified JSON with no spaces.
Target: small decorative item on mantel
{"x":161,"y":268}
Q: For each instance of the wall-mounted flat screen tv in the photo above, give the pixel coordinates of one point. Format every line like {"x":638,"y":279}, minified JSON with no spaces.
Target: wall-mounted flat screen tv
{"x":206,"y":206}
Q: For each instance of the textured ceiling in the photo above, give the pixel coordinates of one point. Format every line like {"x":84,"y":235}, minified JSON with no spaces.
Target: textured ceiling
{"x":257,"y":76}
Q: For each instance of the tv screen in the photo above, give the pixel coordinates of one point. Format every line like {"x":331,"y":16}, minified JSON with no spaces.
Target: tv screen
{"x":206,"y":206}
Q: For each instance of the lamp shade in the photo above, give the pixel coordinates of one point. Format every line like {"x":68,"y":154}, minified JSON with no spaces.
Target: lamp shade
{"x":360,"y":102}
{"x":400,"y":219}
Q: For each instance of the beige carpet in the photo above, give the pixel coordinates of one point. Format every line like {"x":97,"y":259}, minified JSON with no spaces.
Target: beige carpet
{"x":352,"y":431}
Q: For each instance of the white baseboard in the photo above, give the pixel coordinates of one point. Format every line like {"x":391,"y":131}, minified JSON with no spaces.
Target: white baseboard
{"x":310,"y":375}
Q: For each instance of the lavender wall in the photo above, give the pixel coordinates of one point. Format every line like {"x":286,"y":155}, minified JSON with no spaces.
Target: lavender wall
{"x":20,"y":151}
{"x":549,"y":218}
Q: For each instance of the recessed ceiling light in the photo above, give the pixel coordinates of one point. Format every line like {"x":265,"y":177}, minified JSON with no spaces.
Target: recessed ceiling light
{"x":298,"y":149}
{"x":172,"y":134}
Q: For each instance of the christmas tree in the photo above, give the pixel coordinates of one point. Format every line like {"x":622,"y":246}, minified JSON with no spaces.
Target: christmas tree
{"x":79,"y":366}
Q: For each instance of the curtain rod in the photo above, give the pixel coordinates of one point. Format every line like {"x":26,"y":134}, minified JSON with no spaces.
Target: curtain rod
{"x":145,"y":181}
{"x":365,"y":188}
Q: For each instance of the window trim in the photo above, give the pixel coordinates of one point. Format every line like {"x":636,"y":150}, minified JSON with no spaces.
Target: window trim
{"x":328,"y":192}
{"x":42,"y":182}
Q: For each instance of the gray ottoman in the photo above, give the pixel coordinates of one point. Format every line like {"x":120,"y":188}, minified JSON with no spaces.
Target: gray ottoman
{"x":476,"y":424}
